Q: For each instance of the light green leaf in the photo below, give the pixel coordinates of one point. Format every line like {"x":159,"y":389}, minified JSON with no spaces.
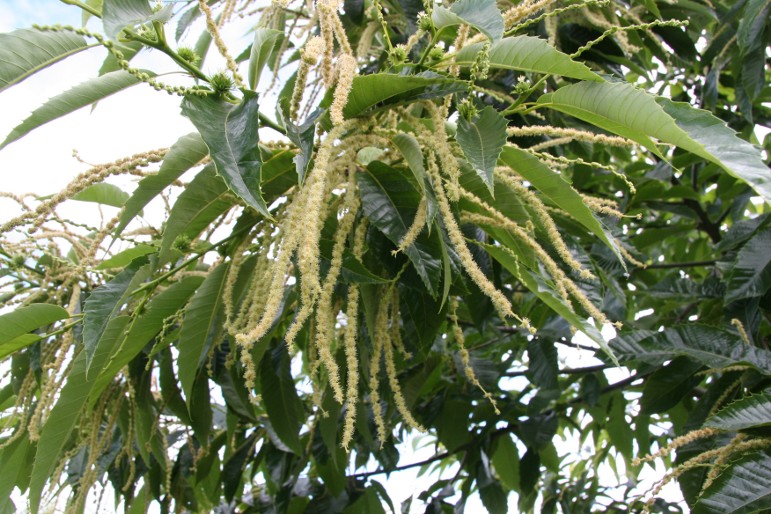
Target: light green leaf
{"x":751,"y":274}
{"x":483,"y":15}
{"x":24,"y":52}
{"x":409,"y":147}
{"x":624,"y":110}
{"x":15,"y":460}
{"x":16,"y":344}
{"x":231,"y":133}
{"x":280,"y":396}
{"x":26,"y":319}
{"x":743,"y":488}
{"x":183,"y":155}
{"x":65,"y":414}
{"x":265,"y":40}
{"x":375,"y":90}
{"x":481,"y":141}
{"x":205,"y":198}
{"x":73,"y":99}
{"x":202,"y":321}
{"x":103,"y":304}
{"x":528,"y":53}
{"x":103,"y":193}
{"x":558,"y":190}
{"x":748,"y":412}
{"x":125,"y":257}
{"x":119,"y":14}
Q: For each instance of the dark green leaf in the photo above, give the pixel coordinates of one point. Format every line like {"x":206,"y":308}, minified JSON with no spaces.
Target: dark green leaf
{"x":751,"y":411}
{"x":73,"y":99}
{"x":670,"y":384}
{"x":183,"y":155}
{"x":231,"y":133}
{"x":280,"y":396}
{"x":528,"y":53}
{"x":374,"y":90}
{"x":119,"y":14}
{"x":482,"y":140}
{"x":303,"y":136}
{"x":203,"y":319}
{"x":265,"y":40}
{"x":24,"y":52}
{"x":483,"y":15}
{"x":103,"y":304}
{"x":751,"y":274}
{"x":506,"y":462}
{"x":743,"y":488}
{"x":542,"y":364}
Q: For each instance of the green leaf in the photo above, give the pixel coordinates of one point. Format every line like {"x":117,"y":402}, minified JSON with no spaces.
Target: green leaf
{"x":24,"y":52}
{"x":372,"y":91}
{"x":528,"y":53}
{"x":482,"y":141}
{"x":711,"y":346}
{"x":280,"y":396}
{"x":543,"y":367}
{"x":624,"y":110}
{"x":303,"y":136}
{"x":409,"y":147}
{"x":119,"y":14}
{"x":103,"y":193}
{"x":390,"y":203}
{"x":231,"y":133}
{"x":743,"y":488}
{"x":125,"y":257}
{"x":65,"y":414}
{"x":483,"y":15}
{"x":669,"y":384}
{"x":26,"y":319}
{"x":73,"y":99}
{"x":16,"y":344}
{"x":15,"y":460}
{"x":506,"y":462}
{"x":558,"y":190}
{"x":265,"y":40}
{"x":203,"y":319}
{"x":199,"y":204}
{"x":752,"y":24}
{"x":751,"y":274}
{"x":103,"y":304}
{"x":748,"y":412}
{"x":183,"y":155}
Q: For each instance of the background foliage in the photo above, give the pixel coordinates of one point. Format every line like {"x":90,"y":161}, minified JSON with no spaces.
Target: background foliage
{"x":563,"y":167}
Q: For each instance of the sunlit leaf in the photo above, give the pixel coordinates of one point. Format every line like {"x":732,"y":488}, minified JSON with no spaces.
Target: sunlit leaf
{"x":265,"y":40}
{"x":483,"y":15}
{"x":119,"y":14}
{"x":482,"y":140}
{"x":103,"y":193}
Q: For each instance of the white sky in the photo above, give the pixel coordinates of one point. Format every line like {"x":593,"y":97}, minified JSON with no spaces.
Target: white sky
{"x":131,"y":121}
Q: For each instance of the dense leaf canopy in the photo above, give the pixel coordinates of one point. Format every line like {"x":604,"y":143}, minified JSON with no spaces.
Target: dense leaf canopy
{"x":448,"y":204}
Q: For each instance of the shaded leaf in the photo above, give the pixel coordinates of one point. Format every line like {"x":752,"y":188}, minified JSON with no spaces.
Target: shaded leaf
{"x":751,"y":274}
{"x":506,"y":462}
{"x":24,"y":52}
{"x":751,"y":411}
{"x":744,"y":487}
{"x":528,"y":53}
{"x":543,"y":368}
{"x":231,"y":133}
{"x":265,"y":40}
{"x":73,"y":99}
{"x":119,"y":14}
{"x":303,"y":136}
{"x":482,"y":140}
{"x":183,"y":155}
{"x":280,"y":396}
{"x":670,"y":384}
{"x":483,"y":15}
{"x":370,"y":91}
{"x":203,"y":318}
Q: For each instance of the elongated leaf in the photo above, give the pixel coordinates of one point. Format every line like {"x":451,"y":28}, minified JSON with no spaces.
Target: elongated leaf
{"x":119,"y":14}
{"x":751,"y":411}
{"x":183,"y":155}
{"x":17,"y":343}
{"x":543,"y":367}
{"x":528,"y":53}
{"x":68,"y":408}
{"x":303,"y":136}
{"x":374,"y":90}
{"x":199,"y":204}
{"x":637,"y":115}
{"x":265,"y":40}
{"x":104,"y":193}
{"x":103,"y":304}
{"x":669,"y":384}
{"x":24,"y":52}
{"x":390,"y":202}
{"x":483,"y":15}
{"x":203,"y":317}
{"x":410,"y":148}
{"x":145,"y":326}
{"x":482,"y":141}
{"x":751,"y":274}
{"x":280,"y":397}
{"x":743,"y":488}
{"x":15,"y":461}
{"x":231,"y":133}
{"x":711,"y":346}
{"x":558,"y":190}
{"x":28,"y":318}
{"x":506,"y":462}
{"x":125,"y":257}
{"x":79,"y":96}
